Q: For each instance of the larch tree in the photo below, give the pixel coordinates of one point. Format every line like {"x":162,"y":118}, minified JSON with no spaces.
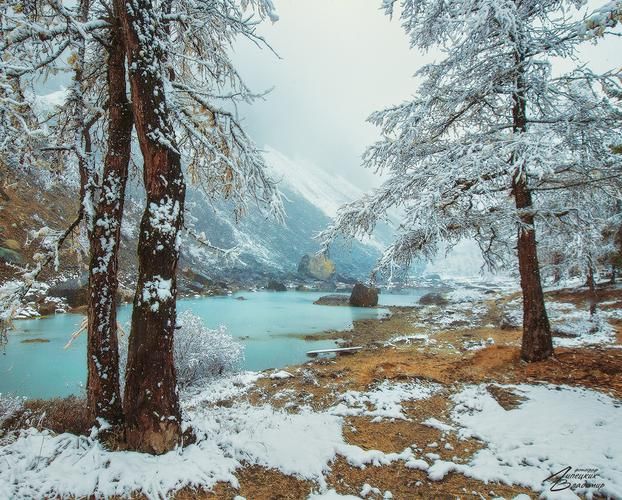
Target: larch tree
{"x":184,"y":93}
{"x":491,"y":131}
{"x":153,"y":419}
{"x":103,"y":395}
{"x":178,"y":67}
{"x":37,"y":39}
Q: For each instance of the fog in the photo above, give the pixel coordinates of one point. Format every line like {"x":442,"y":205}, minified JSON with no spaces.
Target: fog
{"x":339,"y":61}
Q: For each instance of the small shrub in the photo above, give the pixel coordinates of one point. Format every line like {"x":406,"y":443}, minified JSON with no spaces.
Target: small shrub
{"x":199,"y":352}
{"x":9,"y":406}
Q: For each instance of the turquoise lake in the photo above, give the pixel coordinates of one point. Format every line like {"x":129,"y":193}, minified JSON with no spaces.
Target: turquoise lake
{"x":266,"y":323}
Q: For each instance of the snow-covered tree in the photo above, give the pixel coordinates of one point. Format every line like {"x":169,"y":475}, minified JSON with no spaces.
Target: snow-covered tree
{"x":42,"y":38}
{"x":490,"y":132}
{"x":184,"y":89}
{"x":177,"y":57}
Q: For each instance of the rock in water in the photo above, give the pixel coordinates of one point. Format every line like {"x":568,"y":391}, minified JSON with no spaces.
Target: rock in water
{"x":319,"y":267}
{"x":364,"y":296}
{"x":333,"y":300}
{"x":276,"y":286}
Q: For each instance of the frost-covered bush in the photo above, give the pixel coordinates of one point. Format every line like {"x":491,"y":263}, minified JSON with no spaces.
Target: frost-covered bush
{"x":200,"y":352}
{"x":9,"y":406}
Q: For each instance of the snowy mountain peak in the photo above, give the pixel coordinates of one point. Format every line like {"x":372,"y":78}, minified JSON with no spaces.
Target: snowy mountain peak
{"x":323,"y":190}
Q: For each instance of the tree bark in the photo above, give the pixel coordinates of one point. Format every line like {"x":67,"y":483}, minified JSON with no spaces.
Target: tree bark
{"x":591,"y":284}
{"x":103,"y":396}
{"x":151,"y":405}
{"x":537,"y":343}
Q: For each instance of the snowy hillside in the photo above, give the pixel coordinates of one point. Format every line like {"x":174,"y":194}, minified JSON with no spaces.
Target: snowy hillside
{"x":323,"y":190}
{"x":311,"y":198}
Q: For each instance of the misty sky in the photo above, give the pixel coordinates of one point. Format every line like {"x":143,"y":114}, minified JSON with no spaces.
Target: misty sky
{"x":341,"y":60}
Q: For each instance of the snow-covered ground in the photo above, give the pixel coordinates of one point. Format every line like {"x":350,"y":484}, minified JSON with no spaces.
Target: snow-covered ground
{"x":556,"y":431}
{"x":572,"y":326}
{"x":552,"y":428}
{"x":555,"y":427}
{"x":466,"y":309}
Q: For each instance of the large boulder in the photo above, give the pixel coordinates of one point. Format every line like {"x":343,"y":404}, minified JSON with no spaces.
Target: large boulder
{"x":277,"y":286}
{"x":364,"y":296}
{"x":318,"y":267}
{"x":74,"y":291}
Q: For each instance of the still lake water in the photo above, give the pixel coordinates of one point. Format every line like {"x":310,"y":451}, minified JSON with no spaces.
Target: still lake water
{"x":266,"y":323}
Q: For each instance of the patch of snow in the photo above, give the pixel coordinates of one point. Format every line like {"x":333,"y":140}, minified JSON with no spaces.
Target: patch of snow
{"x":437,"y":424}
{"x":422,"y":338}
{"x":331,"y":495}
{"x":281,"y":374}
{"x":367,"y":489}
{"x":384,"y":401}
{"x":554,"y":428}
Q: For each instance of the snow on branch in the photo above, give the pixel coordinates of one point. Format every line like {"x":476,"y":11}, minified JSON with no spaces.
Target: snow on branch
{"x":451,"y":155}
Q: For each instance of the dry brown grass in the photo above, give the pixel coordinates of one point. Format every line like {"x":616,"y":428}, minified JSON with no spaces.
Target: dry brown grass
{"x":255,"y":483}
{"x":58,"y":415}
{"x":407,"y":484}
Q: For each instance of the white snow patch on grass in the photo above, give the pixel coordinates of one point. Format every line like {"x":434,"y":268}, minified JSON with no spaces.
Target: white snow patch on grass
{"x":384,"y":401}
{"x":437,"y":424}
{"x":571,"y":326}
{"x":331,"y":495}
{"x":38,"y":464}
{"x":555,"y":427}
{"x":281,"y":374}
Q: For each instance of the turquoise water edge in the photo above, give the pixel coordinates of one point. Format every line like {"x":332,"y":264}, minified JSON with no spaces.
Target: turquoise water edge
{"x":267,"y":323}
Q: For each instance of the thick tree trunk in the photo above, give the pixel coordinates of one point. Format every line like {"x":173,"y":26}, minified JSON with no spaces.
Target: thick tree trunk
{"x":103,"y":396}
{"x":150,"y":401}
{"x":537,"y":343}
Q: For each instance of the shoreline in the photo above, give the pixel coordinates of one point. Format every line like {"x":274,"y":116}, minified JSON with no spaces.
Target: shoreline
{"x":390,"y":408}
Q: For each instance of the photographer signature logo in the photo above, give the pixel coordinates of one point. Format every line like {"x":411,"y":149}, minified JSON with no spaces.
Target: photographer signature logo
{"x":567,"y":478}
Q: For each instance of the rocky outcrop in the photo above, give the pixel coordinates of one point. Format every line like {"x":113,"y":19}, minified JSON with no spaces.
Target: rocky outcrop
{"x":364,"y":296}
{"x":277,"y":286}
{"x":193,"y":282}
{"x":333,"y":300}
{"x":318,"y":267}
{"x":433,"y":299}
{"x":74,"y":291}
{"x":8,"y":255}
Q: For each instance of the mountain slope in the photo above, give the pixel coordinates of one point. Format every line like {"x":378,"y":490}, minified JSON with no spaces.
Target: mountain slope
{"x":311,"y":198}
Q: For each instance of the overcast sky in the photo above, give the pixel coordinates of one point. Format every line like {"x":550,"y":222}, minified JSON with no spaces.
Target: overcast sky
{"x":341,"y":60}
